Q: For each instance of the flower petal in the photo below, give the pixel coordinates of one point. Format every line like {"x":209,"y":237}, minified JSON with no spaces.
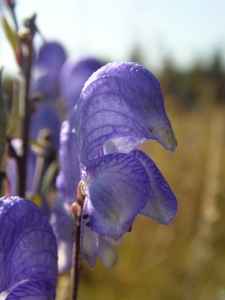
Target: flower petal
{"x":118,"y":186}
{"x":107,"y":253}
{"x":69,"y":176}
{"x":121,"y":100}
{"x":162,"y":203}
{"x":89,"y":239}
{"x":28,"y":248}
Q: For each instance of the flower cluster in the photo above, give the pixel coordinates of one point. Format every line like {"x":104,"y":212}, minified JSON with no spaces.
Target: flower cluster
{"x":110,"y":110}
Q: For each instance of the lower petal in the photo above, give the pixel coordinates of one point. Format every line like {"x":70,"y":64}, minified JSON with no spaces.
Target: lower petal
{"x":118,"y":186}
{"x":162,"y":203}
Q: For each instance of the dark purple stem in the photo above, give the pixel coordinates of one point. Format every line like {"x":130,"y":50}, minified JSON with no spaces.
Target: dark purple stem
{"x":76,"y":209}
{"x":25,"y":114}
{"x":75,"y":272}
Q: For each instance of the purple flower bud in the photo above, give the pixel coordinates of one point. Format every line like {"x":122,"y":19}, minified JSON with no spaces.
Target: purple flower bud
{"x":73,"y":76}
{"x":47,"y":68}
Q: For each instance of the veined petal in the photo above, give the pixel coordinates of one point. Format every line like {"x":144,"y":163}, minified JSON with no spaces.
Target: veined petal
{"x":118,"y":187}
{"x":121,"y":100}
{"x":31,"y":290}
{"x":28,"y":249}
{"x":107,"y":253}
{"x":162,"y":203}
{"x":89,"y":239}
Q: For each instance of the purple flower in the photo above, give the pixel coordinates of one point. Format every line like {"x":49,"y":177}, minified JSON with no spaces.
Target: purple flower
{"x":73,"y":76}
{"x":120,"y":106}
{"x":47,"y":68}
{"x":28,"y":251}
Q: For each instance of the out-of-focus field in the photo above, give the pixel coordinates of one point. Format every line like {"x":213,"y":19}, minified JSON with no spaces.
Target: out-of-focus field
{"x":185,"y":261}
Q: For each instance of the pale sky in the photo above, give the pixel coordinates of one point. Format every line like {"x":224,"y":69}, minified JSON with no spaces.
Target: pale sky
{"x":109,"y":29}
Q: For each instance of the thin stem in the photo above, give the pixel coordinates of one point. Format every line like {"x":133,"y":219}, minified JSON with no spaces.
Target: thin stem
{"x":25,"y":117}
{"x":76,"y":210}
{"x":75,"y":272}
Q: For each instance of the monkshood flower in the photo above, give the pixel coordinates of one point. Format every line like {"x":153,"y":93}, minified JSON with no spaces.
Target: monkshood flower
{"x":28,"y":252}
{"x":120,"y":106}
{"x":46,"y":70}
{"x":73,"y":75}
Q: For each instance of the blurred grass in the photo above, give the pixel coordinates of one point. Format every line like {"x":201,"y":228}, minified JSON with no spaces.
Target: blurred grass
{"x":166,"y":262}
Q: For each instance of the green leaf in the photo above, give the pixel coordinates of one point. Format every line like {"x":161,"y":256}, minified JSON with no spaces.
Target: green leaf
{"x":12,"y":38}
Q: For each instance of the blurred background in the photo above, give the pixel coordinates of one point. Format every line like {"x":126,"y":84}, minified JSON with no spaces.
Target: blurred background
{"x":183,"y":43}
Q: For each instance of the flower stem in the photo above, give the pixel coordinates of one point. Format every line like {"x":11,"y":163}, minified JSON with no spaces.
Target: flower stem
{"x":76,"y":209}
{"x":26,"y":39}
